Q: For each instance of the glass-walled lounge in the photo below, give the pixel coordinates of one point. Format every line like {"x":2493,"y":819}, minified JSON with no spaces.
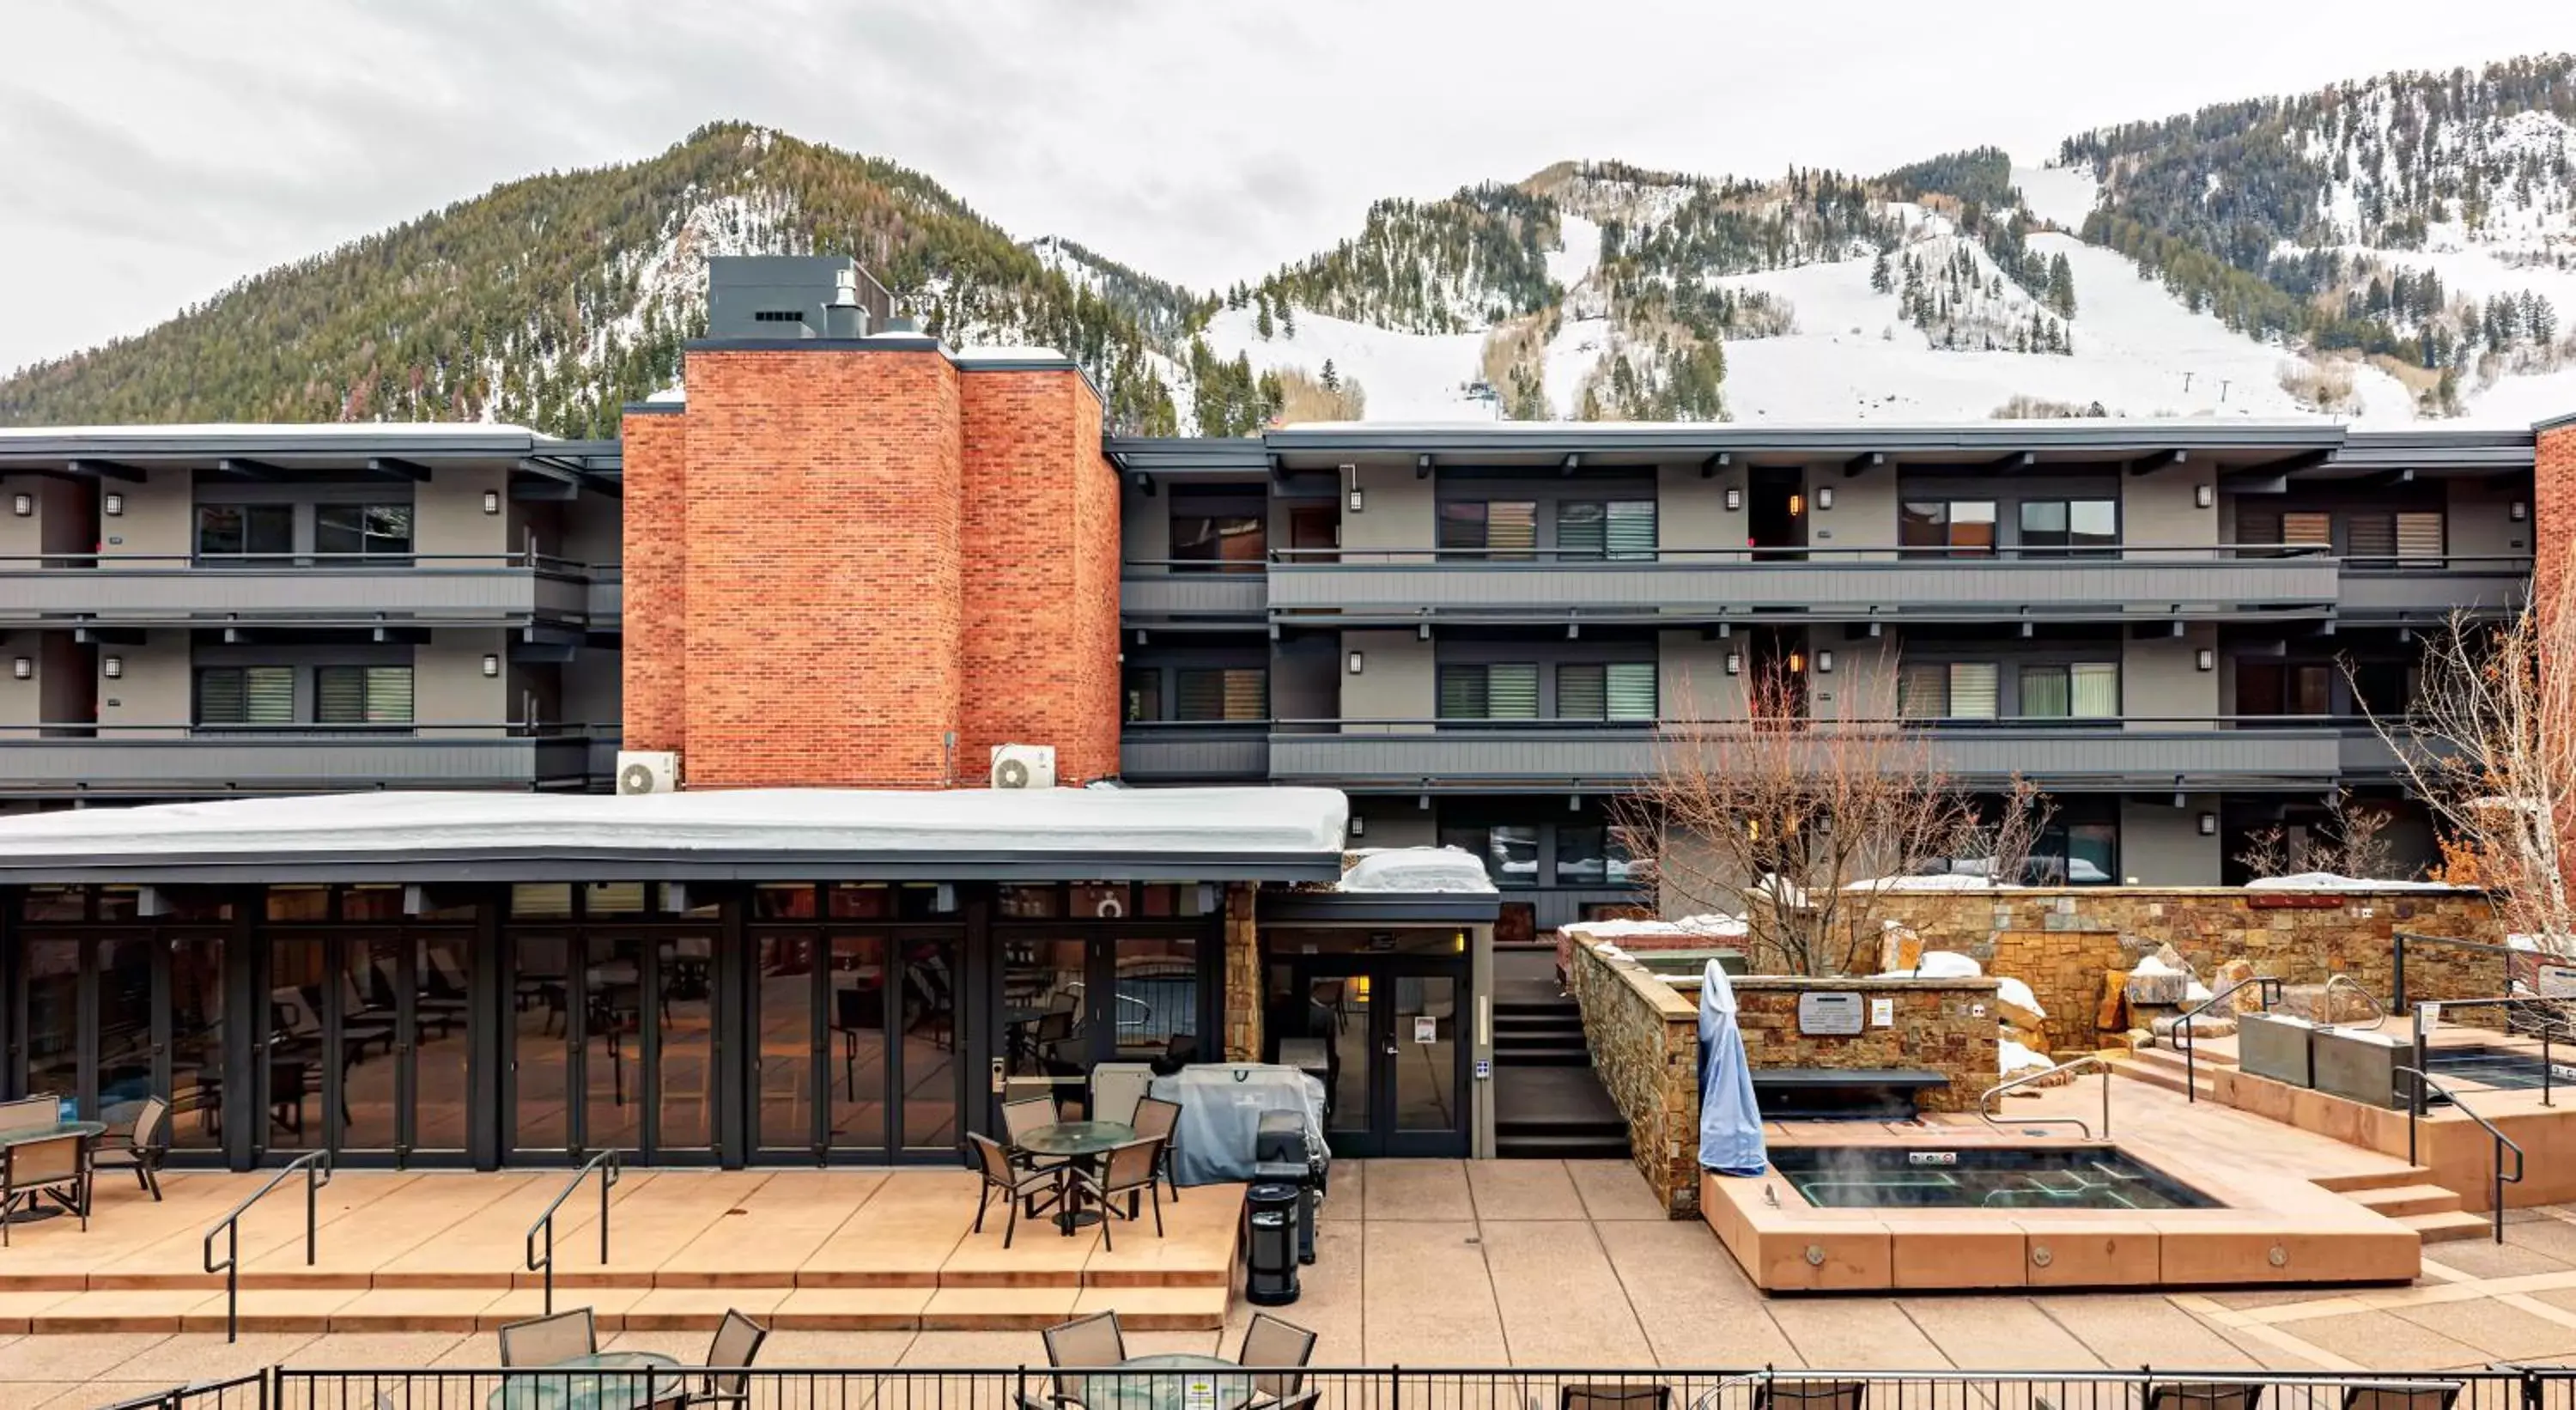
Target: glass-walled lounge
{"x":535,"y":1023}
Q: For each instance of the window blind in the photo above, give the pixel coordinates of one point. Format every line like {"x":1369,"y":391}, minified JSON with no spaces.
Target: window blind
{"x":1207,"y":694}
{"x":1582,"y":693}
{"x":354,"y":695}
{"x":2308,"y":527}
{"x":1581,"y":530}
{"x":2372,"y":535}
{"x":1462,"y":692}
{"x":1973,"y":690}
{"x":1922,"y":692}
{"x":1511,"y":526}
{"x":2095,"y":690}
{"x":2419,"y":534}
{"x":1631,"y":528}
{"x":2043,"y":692}
{"x":246,"y":695}
{"x":1511,"y":692}
{"x":1632,"y":690}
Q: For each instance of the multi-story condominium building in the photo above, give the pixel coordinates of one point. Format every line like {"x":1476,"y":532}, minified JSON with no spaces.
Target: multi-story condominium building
{"x":851,"y":556}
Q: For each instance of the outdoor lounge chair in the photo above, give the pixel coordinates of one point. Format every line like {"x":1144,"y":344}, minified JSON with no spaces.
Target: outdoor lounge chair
{"x":144,"y":1149}
{"x":1272,"y":1347}
{"x":550,"y":1341}
{"x":736,"y":1341}
{"x":1155,"y":1120}
{"x":1017,"y":1185}
{"x":2204,"y":1395}
{"x":2402,"y":1395}
{"x":49,"y":1167}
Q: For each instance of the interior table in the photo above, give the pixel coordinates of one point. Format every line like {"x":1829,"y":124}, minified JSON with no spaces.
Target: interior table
{"x":86,"y":1130}
{"x":1169,"y":1381}
{"x":1083,"y":1143}
{"x":603,"y":1380}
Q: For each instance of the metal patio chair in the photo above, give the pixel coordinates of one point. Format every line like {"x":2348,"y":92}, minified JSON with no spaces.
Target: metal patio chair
{"x":550,"y":1341}
{"x":1094,"y":1342}
{"x":1614,"y":1396}
{"x":51,"y":1167}
{"x":1017,"y":1185}
{"x":1810,"y":1395}
{"x":145,"y":1148}
{"x":1125,"y":1170}
{"x":736,"y":1342}
{"x":1273,"y":1346}
{"x":1155,"y":1121}
{"x":2203,"y":1395}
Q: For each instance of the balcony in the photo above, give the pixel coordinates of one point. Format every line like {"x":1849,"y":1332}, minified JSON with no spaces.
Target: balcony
{"x":1179,"y":595}
{"x":163,"y":761}
{"x":298,"y":589}
{"x":1809,"y":583}
{"x":1168,"y":751}
{"x":2092,"y":755}
{"x":2432,"y":589}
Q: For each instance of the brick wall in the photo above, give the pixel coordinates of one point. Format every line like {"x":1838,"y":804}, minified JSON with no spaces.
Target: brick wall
{"x":2553,"y":509}
{"x":1936,"y":1028}
{"x":656,"y":573}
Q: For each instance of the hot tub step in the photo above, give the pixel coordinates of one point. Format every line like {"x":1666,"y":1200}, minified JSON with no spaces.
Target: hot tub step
{"x":2400,"y":1201}
{"x":2375,"y":1179}
{"x":2448,"y":1226}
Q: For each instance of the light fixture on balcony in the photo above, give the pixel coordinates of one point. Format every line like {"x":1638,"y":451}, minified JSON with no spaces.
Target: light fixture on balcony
{"x":1797,"y":505}
{"x":1735,"y":663}
{"x":1734,"y":499}
{"x":2205,"y":659}
{"x":1422,"y":631}
{"x":491,"y":665}
{"x":2203,"y":496}
{"x":1359,"y":826}
{"x":1359,"y":503}
{"x":1574,"y":802}
{"x":24,"y":505}
{"x":1797,"y":663}
{"x":1359,"y":662}
{"x":1824,"y":498}
{"x":491,"y":501}
{"x":113,"y":504}
{"x":112,"y":667}
{"x":2520,"y":510}
{"x":2209,"y":824}
{"x":24,"y":668}
{"x":1825,"y":663}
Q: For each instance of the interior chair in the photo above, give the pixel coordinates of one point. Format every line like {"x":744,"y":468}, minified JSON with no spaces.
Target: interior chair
{"x":52,"y":1166}
{"x":1155,"y":1121}
{"x":1277,"y":1350}
{"x":1126,"y":1170}
{"x":550,"y":1341}
{"x":1018,"y":1186}
{"x":736,"y":1341}
{"x":146,"y":1147}
{"x":1809,"y":1395}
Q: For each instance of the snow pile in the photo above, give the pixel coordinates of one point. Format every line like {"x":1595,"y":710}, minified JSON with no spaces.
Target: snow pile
{"x":1419,"y":870}
{"x":2329,"y":881}
{"x":2151,"y":964}
{"x":1940,"y":964}
{"x":2012,"y":1058}
{"x":1713,"y":926}
{"x":2015,"y":992}
{"x":1943,"y":881}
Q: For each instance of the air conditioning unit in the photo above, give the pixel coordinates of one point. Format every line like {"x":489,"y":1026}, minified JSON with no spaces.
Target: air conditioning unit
{"x":1024,"y":766}
{"x":648,"y":771}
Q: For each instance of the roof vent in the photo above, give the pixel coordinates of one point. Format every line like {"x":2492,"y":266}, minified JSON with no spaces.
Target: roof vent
{"x":902,"y":323}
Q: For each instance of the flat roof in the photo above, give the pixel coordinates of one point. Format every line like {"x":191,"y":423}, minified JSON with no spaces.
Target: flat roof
{"x":758,"y":834}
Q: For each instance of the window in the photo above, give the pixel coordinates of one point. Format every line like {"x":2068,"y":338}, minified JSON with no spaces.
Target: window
{"x":2273,"y":688}
{"x":1590,"y":856}
{"x":2300,"y":528}
{"x":1964,"y":526}
{"x":1510,"y":853}
{"x":1501,"y":528}
{"x":2076,"y":854}
{"x":2402,"y":538}
{"x":1957,"y":690}
{"x":1237,"y":542}
{"x":362,"y":528}
{"x":2071,"y":524}
{"x":1144,"y":694}
{"x":2385,"y":688}
{"x":2084,"y":691}
{"x":1623,"y":690}
{"x":362,"y":695}
{"x":1234,"y":693}
{"x":1618,"y":528}
{"x":246,"y":695}
{"x":1500,"y":692}
{"x":227,"y":529}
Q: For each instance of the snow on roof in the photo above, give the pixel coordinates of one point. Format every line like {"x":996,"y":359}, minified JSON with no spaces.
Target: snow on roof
{"x":244,"y":430}
{"x":2328,"y":881}
{"x":1713,"y":926}
{"x":919,"y":829}
{"x":1029,"y":353}
{"x":1449,"y":870}
{"x":2233,"y":425}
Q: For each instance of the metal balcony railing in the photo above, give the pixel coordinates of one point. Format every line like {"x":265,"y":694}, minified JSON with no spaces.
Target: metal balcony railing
{"x":317,"y":589}
{"x":181,"y":758}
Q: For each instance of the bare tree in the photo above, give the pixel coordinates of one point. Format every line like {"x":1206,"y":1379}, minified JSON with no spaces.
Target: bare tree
{"x":2490,"y":745}
{"x":2021,"y":818}
{"x":2266,"y":852}
{"x":2352,"y":842}
{"x":1754,"y":806}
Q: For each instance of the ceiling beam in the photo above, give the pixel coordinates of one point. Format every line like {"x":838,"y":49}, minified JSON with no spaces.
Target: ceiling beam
{"x":1422,"y":467}
{"x":105,"y":470}
{"x":397,"y":469}
{"x":547,"y":470}
{"x":2306,"y":460}
{"x":108,"y":636}
{"x":249,"y":469}
{"x":556,"y":491}
{"x":2161,"y":460}
{"x":1867,"y":460}
{"x":1708,"y":468}
{"x":2019,"y":460}
{"x":1144,"y":484}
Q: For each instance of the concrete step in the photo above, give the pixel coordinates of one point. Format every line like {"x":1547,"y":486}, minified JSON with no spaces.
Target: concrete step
{"x":2449,"y":1226}
{"x":2156,"y":1076}
{"x":1556,"y":1146}
{"x":2162,"y":1055}
{"x":2375,"y":1180}
{"x":2401,"y":1201}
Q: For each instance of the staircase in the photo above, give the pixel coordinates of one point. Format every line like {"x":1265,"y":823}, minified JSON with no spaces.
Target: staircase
{"x":2410,"y":1197}
{"x":2162,"y":1066}
{"x":1548,"y":1103}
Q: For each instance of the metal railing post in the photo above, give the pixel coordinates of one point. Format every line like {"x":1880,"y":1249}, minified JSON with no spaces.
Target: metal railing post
{"x":230,"y":1227}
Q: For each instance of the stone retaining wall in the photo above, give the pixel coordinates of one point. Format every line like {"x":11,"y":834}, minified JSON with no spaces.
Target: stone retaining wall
{"x":1644,"y":1039}
{"x":1936,"y":1026}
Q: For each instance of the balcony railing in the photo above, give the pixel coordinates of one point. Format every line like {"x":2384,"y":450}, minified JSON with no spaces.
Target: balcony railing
{"x":168,"y":760}
{"x":2421,"y":589}
{"x":2104,"y":754}
{"x":1184,"y":751}
{"x":1175,"y":592}
{"x":302,"y":588}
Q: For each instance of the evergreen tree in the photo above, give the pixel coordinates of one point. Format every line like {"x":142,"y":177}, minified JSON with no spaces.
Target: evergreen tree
{"x":1879,"y":281}
{"x":1261,"y":321}
{"x":1332,"y":379}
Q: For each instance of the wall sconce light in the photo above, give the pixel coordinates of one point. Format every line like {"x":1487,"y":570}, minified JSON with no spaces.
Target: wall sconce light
{"x":2205,"y":659}
{"x":114,"y":504}
{"x":1735,"y":663}
{"x":1422,"y":631}
{"x":1359,"y":662}
{"x":1797,"y":663}
{"x":2520,"y":510}
{"x":1359,"y":826}
{"x":2203,"y":496}
{"x":2209,"y":824}
{"x":1734,"y":499}
{"x":112,"y":667}
{"x":24,"y":505}
{"x":1797,"y":505}
{"x":1824,"y":498}
{"x":491,"y":501}
{"x":491,"y":665}
{"x":24,"y":668}
{"x":1825,"y":662}
{"x":1358,"y":502}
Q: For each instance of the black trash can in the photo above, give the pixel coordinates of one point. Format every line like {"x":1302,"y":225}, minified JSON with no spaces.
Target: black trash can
{"x":1270,"y":1217}
{"x":1281,"y":1155}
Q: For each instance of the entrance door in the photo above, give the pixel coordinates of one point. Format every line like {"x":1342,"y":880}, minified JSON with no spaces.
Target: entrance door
{"x":1386,"y":1035}
{"x":857,"y":1052}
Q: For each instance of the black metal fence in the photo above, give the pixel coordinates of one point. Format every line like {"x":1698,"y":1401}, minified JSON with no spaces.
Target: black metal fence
{"x":1219,"y":1387}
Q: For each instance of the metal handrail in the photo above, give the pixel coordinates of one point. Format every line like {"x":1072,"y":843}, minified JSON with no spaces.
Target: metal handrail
{"x":230,"y":1227}
{"x":2502,"y":1142}
{"x":2399,"y":940}
{"x":2269,"y":986}
{"x":2096,"y":1062}
{"x":606,"y":1164}
{"x":2379,"y":1011}
{"x":2551,"y":1031}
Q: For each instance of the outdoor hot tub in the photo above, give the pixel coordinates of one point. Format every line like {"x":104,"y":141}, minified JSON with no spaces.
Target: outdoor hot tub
{"x":1994,"y":1177}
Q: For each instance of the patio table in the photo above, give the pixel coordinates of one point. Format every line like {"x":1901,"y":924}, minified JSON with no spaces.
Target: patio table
{"x":86,"y":1130}
{"x":603,"y":1380}
{"x":1178,"y":1381}
{"x":1082,"y":1142}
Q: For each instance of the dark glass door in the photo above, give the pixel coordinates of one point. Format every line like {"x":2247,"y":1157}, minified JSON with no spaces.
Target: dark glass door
{"x":1074,"y":997}
{"x":857,"y":1053}
{"x":1387,"y":1037}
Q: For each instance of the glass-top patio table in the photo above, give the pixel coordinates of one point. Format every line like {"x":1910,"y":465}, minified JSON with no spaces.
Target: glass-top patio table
{"x":604,"y":1380}
{"x":1082,"y":1142}
{"x":1170,"y":1381}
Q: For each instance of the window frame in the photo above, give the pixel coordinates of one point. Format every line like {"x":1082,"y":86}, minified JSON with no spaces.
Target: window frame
{"x":244,"y":513}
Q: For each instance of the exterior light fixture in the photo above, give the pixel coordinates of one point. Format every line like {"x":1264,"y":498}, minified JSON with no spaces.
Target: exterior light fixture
{"x":2520,"y":511}
{"x":491,"y":501}
{"x":1797,"y":662}
{"x":1797,"y":505}
{"x":1359,"y":662}
{"x":113,"y":503}
{"x":2209,"y":824}
{"x":1422,"y":631}
{"x":112,"y":667}
{"x":24,"y":505}
{"x":2205,"y":659}
{"x":2203,"y":496}
{"x":1359,"y":826}
{"x":1574,"y":802}
{"x":491,"y":665}
{"x":1825,"y":662}
{"x":1735,"y":663}
{"x":1734,"y":499}
{"x":1358,"y":502}
{"x":1824,"y":497}
{"x":24,"y":668}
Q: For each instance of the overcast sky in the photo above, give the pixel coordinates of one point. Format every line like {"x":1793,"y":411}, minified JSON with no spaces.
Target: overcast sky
{"x":153,"y":152}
